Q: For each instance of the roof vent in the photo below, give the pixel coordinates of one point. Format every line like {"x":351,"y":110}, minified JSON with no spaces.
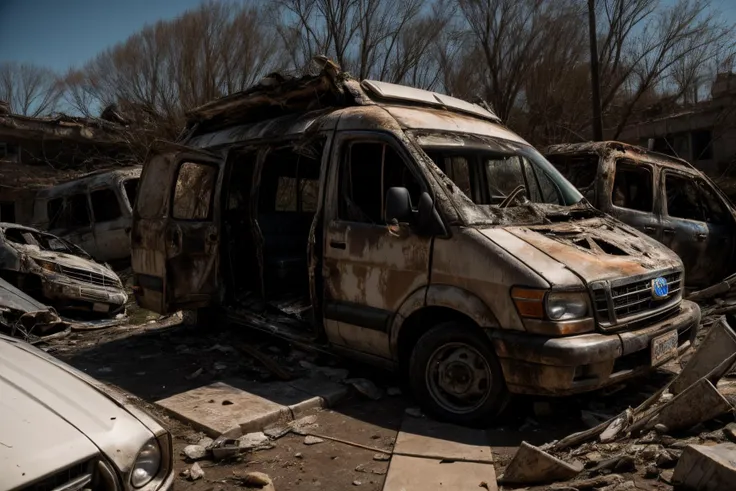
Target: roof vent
{"x":402,"y":93}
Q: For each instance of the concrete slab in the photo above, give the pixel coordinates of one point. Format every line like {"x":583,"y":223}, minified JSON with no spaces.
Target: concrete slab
{"x":423,"y":437}
{"x":237,"y":406}
{"x":420,"y":474}
{"x":706,"y":468}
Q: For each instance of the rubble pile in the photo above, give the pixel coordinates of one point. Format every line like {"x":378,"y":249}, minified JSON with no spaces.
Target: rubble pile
{"x":662,"y":438}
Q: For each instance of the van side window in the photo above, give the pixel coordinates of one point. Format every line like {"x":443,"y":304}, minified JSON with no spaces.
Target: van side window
{"x":77,"y":210}
{"x":289,"y":182}
{"x":368,"y":170}
{"x":688,"y":198}
{"x":105,"y":206}
{"x":632,"y":187}
{"x":195,"y":186}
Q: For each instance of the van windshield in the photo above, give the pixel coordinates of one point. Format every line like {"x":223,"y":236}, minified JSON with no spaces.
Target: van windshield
{"x":497,"y":173}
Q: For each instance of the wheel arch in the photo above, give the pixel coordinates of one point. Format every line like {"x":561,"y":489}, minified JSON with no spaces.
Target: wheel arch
{"x":439,"y":303}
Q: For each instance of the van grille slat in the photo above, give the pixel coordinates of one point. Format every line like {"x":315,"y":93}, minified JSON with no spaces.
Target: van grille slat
{"x":626,"y":300}
{"x":90,"y":277}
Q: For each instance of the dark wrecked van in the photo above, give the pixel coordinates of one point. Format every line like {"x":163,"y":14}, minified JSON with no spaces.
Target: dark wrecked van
{"x":409,"y":229}
{"x":661,"y":196}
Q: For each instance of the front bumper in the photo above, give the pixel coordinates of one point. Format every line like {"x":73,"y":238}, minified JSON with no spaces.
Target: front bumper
{"x":541,"y":365}
{"x":77,"y":295}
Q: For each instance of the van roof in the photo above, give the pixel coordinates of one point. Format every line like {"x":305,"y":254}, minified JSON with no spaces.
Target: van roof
{"x":640,"y":153}
{"x":277,"y":95}
{"x":91,"y":179}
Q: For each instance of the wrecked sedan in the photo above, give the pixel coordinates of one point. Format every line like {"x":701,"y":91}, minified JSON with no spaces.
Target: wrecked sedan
{"x":659,"y":195}
{"x":23,"y":316}
{"x":58,"y":272}
{"x":63,"y":430}
{"x":405,"y":228}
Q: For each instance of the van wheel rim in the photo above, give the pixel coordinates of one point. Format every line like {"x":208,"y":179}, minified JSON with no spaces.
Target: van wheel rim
{"x":459,"y":378}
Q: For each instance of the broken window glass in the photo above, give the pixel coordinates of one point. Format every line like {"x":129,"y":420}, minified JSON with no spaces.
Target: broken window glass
{"x":368,"y":171}
{"x":632,"y":187}
{"x":691,"y":199}
{"x":54,"y":209}
{"x":195,"y":185}
{"x":286,"y":194}
{"x":131,"y":190}
{"x":580,"y":170}
{"x":77,"y":210}
{"x":105,"y":206}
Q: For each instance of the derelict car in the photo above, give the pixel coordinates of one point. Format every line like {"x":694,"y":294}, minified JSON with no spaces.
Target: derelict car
{"x":58,"y":272}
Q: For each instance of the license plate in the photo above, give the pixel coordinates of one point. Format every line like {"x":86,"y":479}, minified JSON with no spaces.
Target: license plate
{"x":100,"y":307}
{"x":663,"y":347}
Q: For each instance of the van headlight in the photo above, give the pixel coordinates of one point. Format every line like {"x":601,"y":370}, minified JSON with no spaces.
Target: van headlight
{"x":563,"y":306}
{"x":553,"y":313}
{"x":47,"y":265}
{"x":147,"y":464}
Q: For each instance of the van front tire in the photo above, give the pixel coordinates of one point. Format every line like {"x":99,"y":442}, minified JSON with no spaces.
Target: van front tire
{"x":455,"y":375}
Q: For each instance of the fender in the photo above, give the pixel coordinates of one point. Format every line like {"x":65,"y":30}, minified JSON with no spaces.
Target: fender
{"x":448,"y":296}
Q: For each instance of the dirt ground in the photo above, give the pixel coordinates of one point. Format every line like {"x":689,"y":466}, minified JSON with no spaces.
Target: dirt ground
{"x":159,"y":358}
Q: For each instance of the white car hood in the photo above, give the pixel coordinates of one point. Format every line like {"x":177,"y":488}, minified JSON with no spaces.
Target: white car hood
{"x":70,"y":260}
{"x":50,"y":418}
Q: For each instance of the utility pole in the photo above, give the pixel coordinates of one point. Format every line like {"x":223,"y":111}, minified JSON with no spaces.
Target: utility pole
{"x":594,"y":79}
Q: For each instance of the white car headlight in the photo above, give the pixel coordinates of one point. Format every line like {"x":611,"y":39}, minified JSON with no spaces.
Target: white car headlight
{"x":146,"y":464}
{"x":562,"y":306}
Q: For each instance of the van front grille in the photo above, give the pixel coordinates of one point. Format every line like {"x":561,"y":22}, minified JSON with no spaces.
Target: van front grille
{"x":90,"y":277}
{"x":620,"y":301}
{"x":78,"y":476}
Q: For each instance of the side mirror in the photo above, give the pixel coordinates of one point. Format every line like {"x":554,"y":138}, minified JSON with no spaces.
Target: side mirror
{"x":398,"y":205}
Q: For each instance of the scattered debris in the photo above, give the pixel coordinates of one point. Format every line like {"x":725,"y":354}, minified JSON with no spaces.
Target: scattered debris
{"x":365,"y":387}
{"x":195,"y":472}
{"x":706,"y":468}
{"x":532,"y":465}
{"x":276,"y":432}
{"x":195,"y":452}
{"x":252,"y":440}
{"x":312,"y":440}
{"x":257,"y":480}
{"x":205,"y":442}
{"x":593,"y":483}
{"x":382,"y":457}
{"x":268,"y":362}
{"x":414,"y":412}
{"x":298,"y":455}
{"x":219,"y":366}
{"x":393,"y":391}
{"x":357,"y":483}
{"x":301,"y":426}
{"x":225,"y":448}
{"x":195,"y":374}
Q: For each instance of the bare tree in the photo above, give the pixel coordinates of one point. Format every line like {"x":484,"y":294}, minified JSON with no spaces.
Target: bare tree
{"x":29,"y":89}
{"x":380,"y":39}
{"x":646,"y":47}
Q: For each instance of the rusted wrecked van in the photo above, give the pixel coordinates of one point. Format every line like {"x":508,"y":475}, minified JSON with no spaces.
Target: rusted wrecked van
{"x":661,"y":196}
{"x":409,"y":229}
{"x":92,"y":212}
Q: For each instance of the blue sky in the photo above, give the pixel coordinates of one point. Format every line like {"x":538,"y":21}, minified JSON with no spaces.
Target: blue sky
{"x":60,"y":34}
{"x":64,"y":33}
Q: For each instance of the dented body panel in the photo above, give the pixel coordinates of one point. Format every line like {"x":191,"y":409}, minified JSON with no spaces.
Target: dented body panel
{"x":376,"y":285}
{"x":697,"y":240}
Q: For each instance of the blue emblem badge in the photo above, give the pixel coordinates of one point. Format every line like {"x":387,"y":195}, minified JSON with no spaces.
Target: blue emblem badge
{"x":660,"y":288}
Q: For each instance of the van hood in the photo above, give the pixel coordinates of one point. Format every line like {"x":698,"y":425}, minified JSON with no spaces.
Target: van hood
{"x":69,"y":260}
{"x":599,"y":248}
{"x":50,"y":418}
